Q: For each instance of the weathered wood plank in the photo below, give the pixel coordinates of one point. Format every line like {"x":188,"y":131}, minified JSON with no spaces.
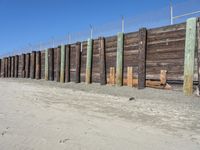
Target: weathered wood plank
{"x":58,"y":56}
{"x":38,"y":65}
{"x":142,"y":58}
{"x":163,"y":77}
{"x":32,"y":68}
{"x":67,"y":65}
{"x":102,"y":61}
{"x":51,"y":64}
{"x":198,"y":54}
{"x":23,"y":58}
{"x":130,"y":76}
{"x":27,"y":67}
{"x":62,"y":65}
{"x":88,"y":75}
{"x":119,"y":61}
{"x":112,"y":76}
{"x":16,"y":65}
{"x":78,"y":60}
{"x":190,"y":46}
{"x":46,"y":65}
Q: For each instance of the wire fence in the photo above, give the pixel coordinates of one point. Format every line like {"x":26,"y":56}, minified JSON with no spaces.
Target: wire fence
{"x":156,"y":18}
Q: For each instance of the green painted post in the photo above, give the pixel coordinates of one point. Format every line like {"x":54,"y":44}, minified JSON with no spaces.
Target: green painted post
{"x":62,"y":65}
{"x":89,"y":62}
{"x":119,"y":63}
{"x":190,"y":46}
{"x":46,"y":65}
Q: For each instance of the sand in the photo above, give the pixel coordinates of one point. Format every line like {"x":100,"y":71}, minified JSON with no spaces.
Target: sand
{"x":41,"y":115}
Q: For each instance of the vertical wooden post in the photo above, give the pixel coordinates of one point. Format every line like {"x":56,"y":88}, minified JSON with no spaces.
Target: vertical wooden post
{"x":62,"y":64}
{"x":4,"y":60}
{"x":112,"y":76}
{"x":130,"y":76}
{"x":27,"y":67}
{"x":67,"y":69}
{"x":9,"y":67}
{"x":51,"y":64}
{"x":58,"y":64}
{"x":38,"y":65}
{"x":32,"y":69}
{"x":190,"y":45}
{"x":163,"y":77}
{"x":119,"y":67}
{"x":142,"y":58}
{"x":13,"y":66}
{"x":0,"y":68}
{"x":198,"y":54}
{"x":16,"y":65}
{"x":46,"y":72}
{"x":88,"y":75}
{"x":102,"y":61}
{"x":6,"y":67}
{"x":23,"y":66}
{"x":78,"y":61}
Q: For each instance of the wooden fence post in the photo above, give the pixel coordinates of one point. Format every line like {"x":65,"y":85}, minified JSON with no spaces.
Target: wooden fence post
{"x":51,"y":64}
{"x":78,"y":60}
{"x":38,"y":65}
{"x":9,"y":67}
{"x":23,"y":66}
{"x":198,"y":53}
{"x":102,"y":61}
{"x":163,"y":77}
{"x":190,"y":46}
{"x":119,"y":64}
{"x":13,"y":66}
{"x":32,"y":69}
{"x":88,"y":75}
{"x":112,"y":76}
{"x":0,"y":68}
{"x":27,"y":67}
{"x":62,"y":64}
{"x":58,"y":64}
{"x":16,"y":65}
{"x":6,"y":70}
{"x":142,"y":58}
{"x":67,"y":65}
{"x":46,"y":65}
{"x":3,"y":67}
{"x":130,"y":76}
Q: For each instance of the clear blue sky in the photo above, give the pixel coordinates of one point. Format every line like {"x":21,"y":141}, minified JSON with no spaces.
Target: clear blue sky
{"x":31,"y":21}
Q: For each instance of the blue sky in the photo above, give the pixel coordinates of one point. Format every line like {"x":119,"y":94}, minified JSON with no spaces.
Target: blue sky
{"x":32,"y":21}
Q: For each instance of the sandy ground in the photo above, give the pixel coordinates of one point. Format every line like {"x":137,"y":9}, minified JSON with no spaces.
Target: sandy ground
{"x":41,"y":115}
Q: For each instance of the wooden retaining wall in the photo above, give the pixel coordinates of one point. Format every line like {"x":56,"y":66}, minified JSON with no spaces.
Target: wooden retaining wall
{"x":164,"y":51}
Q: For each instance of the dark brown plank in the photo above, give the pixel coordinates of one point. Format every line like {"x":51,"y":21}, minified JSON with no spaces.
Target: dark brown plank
{"x":16,"y":65}
{"x":67,"y":65}
{"x":0,"y":68}
{"x":78,"y":60}
{"x":142,"y":58}
{"x":38,"y":65}
{"x":23,"y":65}
{"x":9,"y":67}
{"x":58,"y":64}
{"x":102,"y":61}
{"x":198,"y":54}
{"x":51,"y":64}
{"x":32,"y":68}
{"x":27,"y":67}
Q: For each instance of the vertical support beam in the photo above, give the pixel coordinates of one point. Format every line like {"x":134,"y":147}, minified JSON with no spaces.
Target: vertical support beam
{"x":142,"y":58}
{"x":67,"y":65}
{"x":119,"y":64}
{"x":9,"y":67}
{"x":6,"y":67}
{"x":102,"y":61}
{"x":32,"y":69}
{"x":88,"y":75}
{"x":130,"y":76}
{"x":4,"y":60}
{"x":190,"y":46}
{"x":112,"y":76}
{"x":51,"y":64}
{"x":23,"y":66}
{"x":27,"y":67}
{"x":62,"y":64}
{"x":38,"y":65}
{"x":198,"y":53}
{"x":58,"y":64}
{"x":16,"y":65}
{"x":46,"y":72}
{"x":0,"y":68}
{"x":13,"y":66}
{"x":78,"y":62}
